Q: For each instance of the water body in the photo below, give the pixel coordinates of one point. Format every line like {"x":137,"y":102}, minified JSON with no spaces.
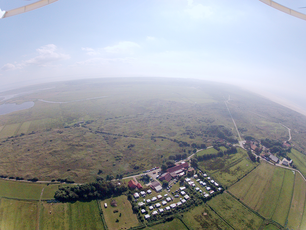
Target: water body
{"x":9,"y":108}
{"x":64,"y":102}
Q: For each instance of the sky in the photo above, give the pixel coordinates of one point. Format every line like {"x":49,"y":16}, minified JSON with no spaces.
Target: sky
{"x":245,"y":43}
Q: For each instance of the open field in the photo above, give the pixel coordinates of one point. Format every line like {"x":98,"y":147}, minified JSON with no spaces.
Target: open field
{"x":202,"y":217}
{"x":49,"y":191}
{"x":283,"y":205}
{"x":20,"y":190}
{"x":125,"y":214}
{"x":207,"y":151}
{"x":18,"y":214}
{"x":297,"y":203}
{"x":77,"y":128}
{"x":228,"y":169}
{"x":273,"y":192}
{"x":299,"y":160}
{"x":79,"y":215}
{"x":234,"y":213}
{"x":173,"y":225}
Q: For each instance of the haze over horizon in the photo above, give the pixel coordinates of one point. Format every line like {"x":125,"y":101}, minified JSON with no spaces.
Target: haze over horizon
{"x":242,"y":43}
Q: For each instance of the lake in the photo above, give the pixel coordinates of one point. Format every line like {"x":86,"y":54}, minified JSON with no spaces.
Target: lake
{"x":9,"y":108}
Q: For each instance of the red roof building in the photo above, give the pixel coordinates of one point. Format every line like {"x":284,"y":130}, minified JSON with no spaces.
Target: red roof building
{"x":165,"y":176}
{"x":133,"y":184}
{"x":178,"y":167}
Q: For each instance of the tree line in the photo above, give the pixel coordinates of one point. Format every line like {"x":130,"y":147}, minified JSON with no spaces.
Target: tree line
{"x":89,"y":191}
{"x":205,"y":157}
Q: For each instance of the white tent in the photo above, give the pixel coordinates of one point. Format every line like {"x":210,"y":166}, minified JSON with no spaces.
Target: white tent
{"x":24,"y":9}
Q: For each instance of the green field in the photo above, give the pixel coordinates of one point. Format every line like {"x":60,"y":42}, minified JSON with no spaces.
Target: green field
{"x":173,"y":225}
{"x":283,"y":205}
{"x":125,"y":214}
{"x":272,"y":192}
{"x":49,"y":191}
{"x":202,"y":217}
{"x":228,"y":169}
{"x":297,"y":203}
{"x":24,"y":127}
{"x":9,"y":130}
{"x":235,"y":213}
{"x":207,"y":151}
{"x":299,"y":160}
{"x":20,"y":190}
{"x":18,"y":214}
{"x":79,"y":215}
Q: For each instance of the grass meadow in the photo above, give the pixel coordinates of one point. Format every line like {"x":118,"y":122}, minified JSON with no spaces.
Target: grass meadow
{"x":123,"y":213}
{"x":297,"y":204}
{"x":299,"y":160}
{"x":228,"y":169}
{"x":202,"y":217}
{"x":15,"y":214}
{"x":275,"y":193}
{"x":235,"y":213}
{"x":173,"y":225}
{"x":78,"y":215}
{"x":20,"y":190}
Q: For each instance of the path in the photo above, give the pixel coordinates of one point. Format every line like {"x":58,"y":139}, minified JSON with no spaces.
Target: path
{"x":39,"y":207}
{"x":289,"y":131}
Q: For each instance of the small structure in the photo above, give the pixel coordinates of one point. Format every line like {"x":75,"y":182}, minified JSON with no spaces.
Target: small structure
{"x":149,"y":191}
{"x":154,"y":198}
{"x":206,"y":195}
{"x":274,"y":158}
{"x":168,"y":199}
{"x":212,"y":191}
{"x":183,"y":201}
{"x":167,"y":208}
{"x":164,"y":202}
{"x":114,"y":203}
{"x":156,"y":186}
{"x":216,"y":184}
{"x":179,"y":203}
{"x":159,"y":197}
{"x":136,"y":195}
{"x":147,"y":216}
{"x":143,"y":193}
{"x":148,"y":200}
{"x":141,"y":204}
{"x":105,"y":205}
{"x":143,"y":211}
{"x":154,"y":213}
{"x":160,"y":210}
{"x":186,"y":197}
{"x":183,"y":193}
{"x":285,"y":163}
{"x":151,"y":208}
{"x":172,"y":205}
{"x":157,"y":205}
{"x":182,"y":188}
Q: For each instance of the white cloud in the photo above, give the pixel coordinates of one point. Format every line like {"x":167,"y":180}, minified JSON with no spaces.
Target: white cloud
{"x":198,"y":11}
{"x":47,"y":55}
{"x":125,"y":47}
{"x":150,"y":38}
{"x":8,"y":66}
{"x":91,"y":51}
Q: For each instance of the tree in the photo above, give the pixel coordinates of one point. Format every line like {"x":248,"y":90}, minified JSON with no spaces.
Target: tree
{"x":165,"y":184}
{"x":164,"y":167}
{"x":194,"y":163}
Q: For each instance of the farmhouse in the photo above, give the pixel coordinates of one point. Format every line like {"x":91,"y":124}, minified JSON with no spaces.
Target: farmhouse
{"x":133,"y":184}
{"x":274,"y":158}
{"x":178,"y":167}
{"x":166,"y":177}
{"x":285,"y":163}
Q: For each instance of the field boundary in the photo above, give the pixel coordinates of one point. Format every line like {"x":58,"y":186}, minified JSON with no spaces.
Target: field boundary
{"x":291,"y":201}
{"x":220,"y":216}
{"x":279,"y":194}
{"x":101,"y":214}
{"x":303,"y":212}
{"x":243,"y":176}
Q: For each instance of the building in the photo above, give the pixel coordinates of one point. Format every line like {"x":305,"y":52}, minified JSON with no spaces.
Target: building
{"x":133,"y":184}
{"x":285,"y":163}
{"x":156,"y":186}
{"x":165,"y":176}
{"x":274,"y":158}
{"x":178,"y":167}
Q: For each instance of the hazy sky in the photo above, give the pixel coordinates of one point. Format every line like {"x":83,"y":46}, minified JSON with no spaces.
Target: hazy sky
{"x":238,"y":41}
